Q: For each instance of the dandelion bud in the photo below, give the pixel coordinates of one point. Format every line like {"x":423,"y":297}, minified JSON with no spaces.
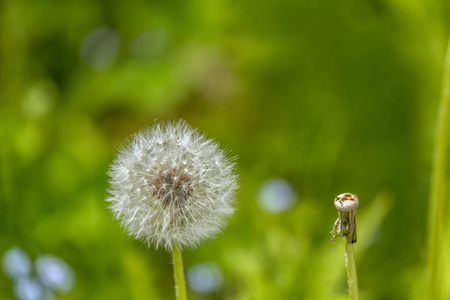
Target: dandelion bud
{"x":345,"y":225}
{"x":346,"y":202}
{"x":171,"y":186}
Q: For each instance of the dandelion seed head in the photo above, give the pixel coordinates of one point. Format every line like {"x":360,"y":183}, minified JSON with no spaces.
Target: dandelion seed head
{"x":169,"y":185}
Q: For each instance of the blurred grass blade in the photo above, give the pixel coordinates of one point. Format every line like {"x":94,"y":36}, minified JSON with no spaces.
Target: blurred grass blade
{"x":434,"y":284}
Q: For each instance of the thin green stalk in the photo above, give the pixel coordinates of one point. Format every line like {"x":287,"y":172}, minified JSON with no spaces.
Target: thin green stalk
{"x":178,"y":271}
{"x":435,"y":270}
{"x":351,"y":271}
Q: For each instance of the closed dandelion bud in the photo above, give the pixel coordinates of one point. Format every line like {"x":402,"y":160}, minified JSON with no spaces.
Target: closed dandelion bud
{"x":171,"y":186}
{"x":346,"y":202}
{"x":345,"y":225}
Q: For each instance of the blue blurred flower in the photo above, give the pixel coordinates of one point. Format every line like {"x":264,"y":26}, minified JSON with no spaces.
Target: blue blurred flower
{"x":276,"y":195}
{"x":55,"y":273}
{"x":16,"y":263}
{"x":204,"y":278}
{"x":28,"y":289}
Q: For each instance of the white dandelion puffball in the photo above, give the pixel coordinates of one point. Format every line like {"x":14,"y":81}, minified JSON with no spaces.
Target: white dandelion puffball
{"x":171,"y":186}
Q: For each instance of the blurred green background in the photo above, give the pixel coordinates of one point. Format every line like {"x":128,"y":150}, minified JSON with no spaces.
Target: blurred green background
{"x":329,"y":96}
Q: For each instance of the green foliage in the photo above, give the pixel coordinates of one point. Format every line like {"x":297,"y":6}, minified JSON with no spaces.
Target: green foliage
{"x":334,"y":96}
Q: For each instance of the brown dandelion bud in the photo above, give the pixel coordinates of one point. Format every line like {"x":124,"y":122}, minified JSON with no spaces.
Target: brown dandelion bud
{"x":345,"y":225}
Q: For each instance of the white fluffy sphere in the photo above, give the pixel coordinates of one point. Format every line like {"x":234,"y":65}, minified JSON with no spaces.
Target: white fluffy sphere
{"x":169,"y":186}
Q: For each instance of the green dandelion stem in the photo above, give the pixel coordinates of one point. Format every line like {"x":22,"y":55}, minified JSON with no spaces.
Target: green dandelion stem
{"x":351,"y":271}
{"x":178,"y":271}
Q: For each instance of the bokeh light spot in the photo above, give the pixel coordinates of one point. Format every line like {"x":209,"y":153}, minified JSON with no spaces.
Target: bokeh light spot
{"x":204,"y":278}
{"x":276,"y":195}
{"x":16,"y":263}
{"x":55,"y":273}
{"x":28,"y":289}
{"x":100,"y":47}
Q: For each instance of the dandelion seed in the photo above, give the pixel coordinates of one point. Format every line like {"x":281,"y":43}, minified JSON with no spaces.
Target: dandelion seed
{"x":171,"y":186}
